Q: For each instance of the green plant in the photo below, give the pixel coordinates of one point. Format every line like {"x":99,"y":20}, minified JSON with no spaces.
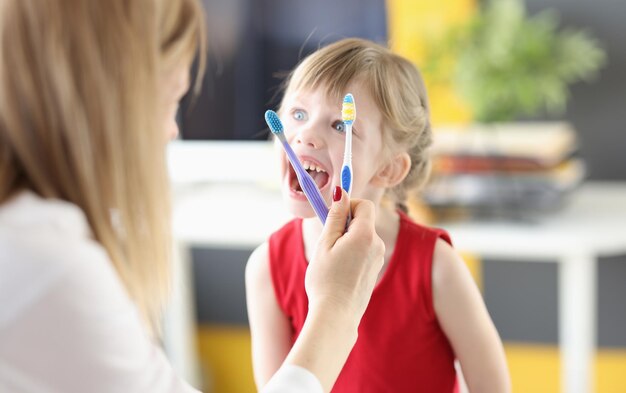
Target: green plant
{"x":509,"y":64}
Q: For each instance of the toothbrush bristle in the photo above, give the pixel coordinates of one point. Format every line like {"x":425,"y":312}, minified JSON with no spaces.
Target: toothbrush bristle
{"x":348,"y":111}
{"x":273,"y":121}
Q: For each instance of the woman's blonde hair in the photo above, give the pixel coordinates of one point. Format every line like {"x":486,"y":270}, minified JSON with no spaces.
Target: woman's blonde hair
{"x":79,"y":120}
{"x":396,"y":87}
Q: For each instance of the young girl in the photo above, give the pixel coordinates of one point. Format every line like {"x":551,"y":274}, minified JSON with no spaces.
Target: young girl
{"x":425,"y":311}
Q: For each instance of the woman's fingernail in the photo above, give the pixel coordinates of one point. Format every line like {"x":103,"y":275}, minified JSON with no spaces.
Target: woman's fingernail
{"x":337,"y":194}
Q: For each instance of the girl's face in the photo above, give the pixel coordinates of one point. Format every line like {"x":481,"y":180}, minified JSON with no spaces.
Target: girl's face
{"x":313,"y":127}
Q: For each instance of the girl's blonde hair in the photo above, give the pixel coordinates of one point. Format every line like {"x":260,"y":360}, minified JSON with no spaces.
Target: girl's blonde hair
{"x":79,"y":120}
{"x":398,"y":91}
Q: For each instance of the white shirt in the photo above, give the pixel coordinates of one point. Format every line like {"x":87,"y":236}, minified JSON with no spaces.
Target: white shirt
{"x":66,"y":322}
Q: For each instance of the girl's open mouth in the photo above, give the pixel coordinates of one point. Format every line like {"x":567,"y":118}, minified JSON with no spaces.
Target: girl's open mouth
{"x":317,"y":172}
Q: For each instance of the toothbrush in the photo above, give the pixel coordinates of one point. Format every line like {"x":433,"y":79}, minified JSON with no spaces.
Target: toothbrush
{"x":348,"y":115}
{"x":307,"y":183}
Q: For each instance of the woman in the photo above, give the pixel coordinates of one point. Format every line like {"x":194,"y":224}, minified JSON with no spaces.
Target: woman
{"x":88,"y":93}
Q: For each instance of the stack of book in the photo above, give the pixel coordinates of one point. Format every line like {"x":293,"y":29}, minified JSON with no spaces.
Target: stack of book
{"x":503,"y":169}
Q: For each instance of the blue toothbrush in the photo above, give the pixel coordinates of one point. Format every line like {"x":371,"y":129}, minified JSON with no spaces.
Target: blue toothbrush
{"x":307,"y":183}
{"x":348,"y":115}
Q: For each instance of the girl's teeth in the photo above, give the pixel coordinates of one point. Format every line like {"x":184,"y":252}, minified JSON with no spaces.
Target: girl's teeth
{"x":310,"y":166}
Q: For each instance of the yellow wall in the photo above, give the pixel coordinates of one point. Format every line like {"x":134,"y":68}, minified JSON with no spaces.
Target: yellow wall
{"x":610,"y":369}
{"x":413,"y":26}
{"x":536,"y":368}
{"x":226,"y":363}
{"x":225,"y":358}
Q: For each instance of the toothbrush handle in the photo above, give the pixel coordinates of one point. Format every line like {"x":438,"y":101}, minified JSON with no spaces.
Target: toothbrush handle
{"x":346,"y":184}
{"x":308,"y":185}
{"x":313,"y":195}
{"x":346,"y":171}
{"x":346,"y":178}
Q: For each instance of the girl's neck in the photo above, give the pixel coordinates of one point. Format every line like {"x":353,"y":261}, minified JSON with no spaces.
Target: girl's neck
{"x":387,"y":227}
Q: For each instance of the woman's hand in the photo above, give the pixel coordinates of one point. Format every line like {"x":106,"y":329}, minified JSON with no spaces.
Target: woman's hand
{"x":343,"y":271}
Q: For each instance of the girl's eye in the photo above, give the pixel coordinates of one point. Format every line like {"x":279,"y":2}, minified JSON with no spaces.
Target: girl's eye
{"x":339,"y":126}
{"x":299,"y":115}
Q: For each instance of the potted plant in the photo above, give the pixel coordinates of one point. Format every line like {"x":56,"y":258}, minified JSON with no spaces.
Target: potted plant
{"x":509,"y":66}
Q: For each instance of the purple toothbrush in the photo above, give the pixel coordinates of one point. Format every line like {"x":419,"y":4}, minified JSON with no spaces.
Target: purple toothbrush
{"x":306,"y":181}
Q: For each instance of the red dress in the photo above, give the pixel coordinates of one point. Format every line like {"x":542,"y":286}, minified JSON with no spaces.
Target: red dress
{"x":401,"y":347}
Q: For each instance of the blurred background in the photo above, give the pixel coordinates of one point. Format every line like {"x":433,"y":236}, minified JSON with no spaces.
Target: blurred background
{"x":527,"y":101}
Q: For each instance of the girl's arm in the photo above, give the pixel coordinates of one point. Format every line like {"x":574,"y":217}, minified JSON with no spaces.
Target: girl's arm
{"x":464,"y":319}
{"x":269,"y":327}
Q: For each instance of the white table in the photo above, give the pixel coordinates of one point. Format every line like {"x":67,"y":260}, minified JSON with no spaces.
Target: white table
{"x":592,"y":225}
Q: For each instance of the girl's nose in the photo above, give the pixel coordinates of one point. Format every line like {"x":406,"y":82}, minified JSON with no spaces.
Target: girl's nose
{"x":310,"y":136}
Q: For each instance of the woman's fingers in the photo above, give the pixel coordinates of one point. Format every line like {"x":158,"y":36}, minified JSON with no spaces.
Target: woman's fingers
{"x":345,"y":265}
{"x":336,"y":220}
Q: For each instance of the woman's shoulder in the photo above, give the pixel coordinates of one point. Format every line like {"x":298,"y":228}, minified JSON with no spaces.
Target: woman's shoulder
{"x":56,"y":281}
{"x":39,"y":231}
{"x":45,"y":244}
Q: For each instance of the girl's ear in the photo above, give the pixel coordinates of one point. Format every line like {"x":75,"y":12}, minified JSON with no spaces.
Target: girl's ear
{"x":393,"y":172}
